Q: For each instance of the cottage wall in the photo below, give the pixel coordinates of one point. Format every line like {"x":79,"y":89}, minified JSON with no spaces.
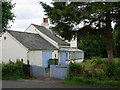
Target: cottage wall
{"x":35,"y":58}
{"x":12,"y":49}
{"x":0,"y":49}
{"x":55,"y":54}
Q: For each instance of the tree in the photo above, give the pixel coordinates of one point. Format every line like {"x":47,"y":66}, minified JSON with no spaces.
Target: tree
{"x":95,"y":17}
{"x":7,"y":14}
{"x":92,"y":46}
{"x":116,"y":38}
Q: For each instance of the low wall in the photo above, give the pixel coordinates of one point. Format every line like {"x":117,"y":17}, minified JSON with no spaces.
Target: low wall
{"x":58,"y":71}
{"x":37,"y":71}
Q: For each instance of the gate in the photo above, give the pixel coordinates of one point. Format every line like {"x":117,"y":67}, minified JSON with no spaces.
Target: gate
{"x":26,"y":68}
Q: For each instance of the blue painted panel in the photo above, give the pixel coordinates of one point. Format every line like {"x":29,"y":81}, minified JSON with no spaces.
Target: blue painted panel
{"x":58,"y":71}
{"x":63,"y":57}
{"x":46,"y":55}
{"x":37,"y":71}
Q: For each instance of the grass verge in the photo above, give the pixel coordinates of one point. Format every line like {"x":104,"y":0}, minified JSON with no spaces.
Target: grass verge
{"x":91,"y":82}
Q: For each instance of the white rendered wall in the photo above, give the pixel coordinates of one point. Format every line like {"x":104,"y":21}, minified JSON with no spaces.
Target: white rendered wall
{"x":0,"y":49}
{"x":53,"y":54}
{"x":32,"y":29}
{"x":12,"y":49}
{"x":73,"y":42}
{"x":35,"y":58}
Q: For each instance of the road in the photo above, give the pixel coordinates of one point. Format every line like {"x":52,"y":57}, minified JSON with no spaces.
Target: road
{"x":36,"y":84}
{"x":43,"y":84}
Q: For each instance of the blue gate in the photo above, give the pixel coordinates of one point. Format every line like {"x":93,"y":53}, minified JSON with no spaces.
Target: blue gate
{"x":63,"y":58}
{"x":46,"y":55}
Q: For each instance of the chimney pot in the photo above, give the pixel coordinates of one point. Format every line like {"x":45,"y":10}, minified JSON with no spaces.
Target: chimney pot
{"x":45,"y":20}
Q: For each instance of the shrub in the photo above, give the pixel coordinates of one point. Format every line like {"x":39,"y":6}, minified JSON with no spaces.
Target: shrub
{"x":12,"y":70}
{"x":75,"y":70}
{"x":109,"y":75}
{"x":113,"y":70}
{"x":99,"y":60}
{"x":110,"y":71}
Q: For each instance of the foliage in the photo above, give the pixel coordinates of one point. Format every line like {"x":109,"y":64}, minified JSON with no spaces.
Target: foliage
{"x":75,"y":70}
{"x":94,"y":18}
{"x":87,"y":63}
{"x":113,"y":71}
{"x":105,"y":76}
{"x":7,"y":14}
{"x":99,"y":60}
{"x":92,"y":46}
{"x":116,"y":37}
{"x":12,"y":70}
{"x":110,"y":71}
{"x":94,"y":82}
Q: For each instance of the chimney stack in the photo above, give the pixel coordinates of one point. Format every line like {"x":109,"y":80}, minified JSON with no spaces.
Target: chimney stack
{"x":45,"y":23}
{"x":45,"y":20}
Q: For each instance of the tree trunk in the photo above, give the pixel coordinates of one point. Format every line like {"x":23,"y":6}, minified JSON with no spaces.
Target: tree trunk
{"x":109,"y":46}
{"x":109,"y":38}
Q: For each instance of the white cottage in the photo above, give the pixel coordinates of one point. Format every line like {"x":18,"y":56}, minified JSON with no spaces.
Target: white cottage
{"x":37,"y":45}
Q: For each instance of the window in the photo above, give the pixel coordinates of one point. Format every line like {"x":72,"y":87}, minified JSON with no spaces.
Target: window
{"x":55,"y":55}
{"x":75,"y":55}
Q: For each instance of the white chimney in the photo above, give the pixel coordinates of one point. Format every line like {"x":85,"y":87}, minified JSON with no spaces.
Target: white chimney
{"x":45,"y":23}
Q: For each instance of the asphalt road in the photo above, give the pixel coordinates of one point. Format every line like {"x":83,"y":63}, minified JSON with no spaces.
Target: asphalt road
{"x":36,"y":84}
{"x":45,"y":84}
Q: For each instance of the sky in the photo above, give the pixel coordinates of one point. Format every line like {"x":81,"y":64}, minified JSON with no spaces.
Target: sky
{"x":27,"y":12}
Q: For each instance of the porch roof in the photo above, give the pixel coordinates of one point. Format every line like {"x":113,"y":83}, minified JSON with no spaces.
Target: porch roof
{"x":71,"y":49}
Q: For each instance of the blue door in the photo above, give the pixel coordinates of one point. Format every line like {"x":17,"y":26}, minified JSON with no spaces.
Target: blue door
{"x":46,"y":55}
{"x":63,"y":58}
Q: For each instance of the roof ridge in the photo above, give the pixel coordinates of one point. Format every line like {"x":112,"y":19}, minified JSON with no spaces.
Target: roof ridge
{"x":37,"y":25}
{"x":21,"y":32}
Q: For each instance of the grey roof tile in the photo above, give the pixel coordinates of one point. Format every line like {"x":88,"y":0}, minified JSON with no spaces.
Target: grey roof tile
{"x":32,"y":41}
{"x":51,"y":35}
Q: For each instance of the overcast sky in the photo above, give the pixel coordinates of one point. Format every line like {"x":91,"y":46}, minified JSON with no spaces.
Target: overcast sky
{"x":27,"y":12}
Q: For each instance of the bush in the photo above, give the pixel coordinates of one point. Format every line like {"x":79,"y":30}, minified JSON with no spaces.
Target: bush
{"x":75,"y":70}
{"x":99,"y":74}
{"x":108,"y":75}
{"x":99,"y":60}
{"x":12,"y":70}
{"x":113,"y":71}
{"x":110,"y":71}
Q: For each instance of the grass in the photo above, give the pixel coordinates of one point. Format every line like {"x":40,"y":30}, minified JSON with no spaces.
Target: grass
{"x":90,"y":62}
{"x":87,"y":63}
{"x":98,"y":78}
{"x":91,"y":82}
{"x":47,"y":70}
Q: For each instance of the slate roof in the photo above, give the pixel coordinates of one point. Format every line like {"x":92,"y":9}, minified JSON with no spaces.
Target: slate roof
{"x":32,"y":41}
{"x":1,"y":34}
{"x":50,"y":34}
{"x":71,"y":49}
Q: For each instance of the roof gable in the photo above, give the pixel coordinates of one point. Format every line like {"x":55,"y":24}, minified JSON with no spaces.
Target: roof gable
{"x":51,"y":35}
